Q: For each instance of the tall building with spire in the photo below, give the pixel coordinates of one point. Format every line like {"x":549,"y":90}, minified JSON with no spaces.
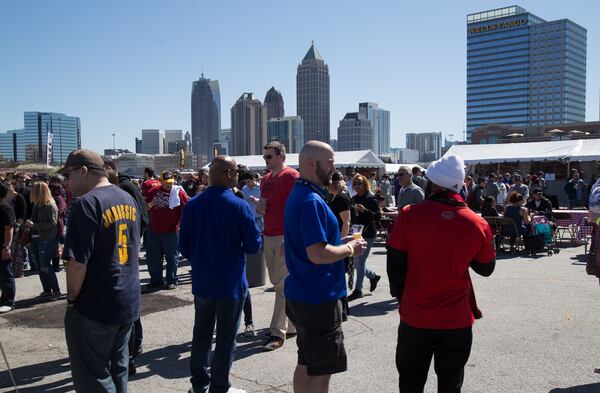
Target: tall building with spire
{"x":312,"y":95}
{"x":274,"y":104}
{"x":206,"y":117}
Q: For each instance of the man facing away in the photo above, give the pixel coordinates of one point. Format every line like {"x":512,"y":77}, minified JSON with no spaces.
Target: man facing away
{"x":429,"y":275}
{"x":316,"y":281}
{"x":410,"y":192}
{"x":103,"y":286}
{"x":274,"y":190}
{"x":217,"y":229}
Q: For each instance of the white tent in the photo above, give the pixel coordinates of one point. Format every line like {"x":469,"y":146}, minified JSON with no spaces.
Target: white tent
{"x":571,"y":150}
{"x":393,"y":168}
{"x":343,"y":159}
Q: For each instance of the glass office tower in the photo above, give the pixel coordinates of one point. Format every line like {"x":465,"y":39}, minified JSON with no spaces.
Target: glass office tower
{"x":523,"y":70}
{"x":66,"y":136}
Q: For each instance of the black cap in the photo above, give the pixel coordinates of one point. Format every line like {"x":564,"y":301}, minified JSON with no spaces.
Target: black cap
{"x":337,"y":176}
{"x":538,"y":191}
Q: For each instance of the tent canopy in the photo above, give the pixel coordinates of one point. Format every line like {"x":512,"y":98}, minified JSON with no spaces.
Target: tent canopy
{"x":393,"y":168}
{"x":343,"y":159}
{"x":573,"y":150}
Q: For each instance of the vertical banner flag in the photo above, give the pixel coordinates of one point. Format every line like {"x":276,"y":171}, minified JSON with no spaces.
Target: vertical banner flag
{"x":49,"y":149}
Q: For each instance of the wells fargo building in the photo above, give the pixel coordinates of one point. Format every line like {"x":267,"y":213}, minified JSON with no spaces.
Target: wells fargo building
{"x":523,"y":70}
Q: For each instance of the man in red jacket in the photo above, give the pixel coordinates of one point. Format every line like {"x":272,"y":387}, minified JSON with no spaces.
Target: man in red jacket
{"x":430,"y":250}
{"x":166,"y":206}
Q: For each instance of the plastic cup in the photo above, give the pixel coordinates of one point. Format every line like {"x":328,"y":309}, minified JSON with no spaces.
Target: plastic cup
{"x":356,"y":231}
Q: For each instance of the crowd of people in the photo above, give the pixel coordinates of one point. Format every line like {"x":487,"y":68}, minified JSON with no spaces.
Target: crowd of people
{"x":315,"y":227}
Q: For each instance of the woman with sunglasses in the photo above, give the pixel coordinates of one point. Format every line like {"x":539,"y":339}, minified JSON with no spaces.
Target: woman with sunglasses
{"x":367,"y":212}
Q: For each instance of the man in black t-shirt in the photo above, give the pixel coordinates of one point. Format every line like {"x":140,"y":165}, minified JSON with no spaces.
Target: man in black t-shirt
{"x":7,"y":278}
{"x":103,"y":288}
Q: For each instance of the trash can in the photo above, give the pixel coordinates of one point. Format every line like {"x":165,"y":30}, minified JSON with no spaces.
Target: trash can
{"x":256,"y":269}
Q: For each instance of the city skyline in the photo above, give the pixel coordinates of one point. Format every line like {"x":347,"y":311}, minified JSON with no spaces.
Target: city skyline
{"x":125,"y":79}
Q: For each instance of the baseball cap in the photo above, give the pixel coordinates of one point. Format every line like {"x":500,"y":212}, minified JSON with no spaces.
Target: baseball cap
{"x":537,"y":191}
{"x":167,"y":177}
{"x":82,"y":157}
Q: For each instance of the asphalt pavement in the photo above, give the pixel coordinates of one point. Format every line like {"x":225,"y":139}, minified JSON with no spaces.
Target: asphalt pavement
{"x":539,"y":333}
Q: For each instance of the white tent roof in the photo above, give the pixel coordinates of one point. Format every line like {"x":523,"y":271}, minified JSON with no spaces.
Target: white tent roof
{"x":343,"y":159}
{"x":575,"y":150}
{"x":393,"y":168}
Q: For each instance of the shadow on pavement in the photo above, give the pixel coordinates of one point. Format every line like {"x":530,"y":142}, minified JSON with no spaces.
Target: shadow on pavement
{"x":35,"y":373}
{"x":168,"y":362}
{"x":52,"y":316}
{"x":374,"y":309}
{"x":590,"y":388}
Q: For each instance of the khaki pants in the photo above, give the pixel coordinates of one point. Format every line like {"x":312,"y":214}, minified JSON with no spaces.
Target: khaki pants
{"x":275,"y":259}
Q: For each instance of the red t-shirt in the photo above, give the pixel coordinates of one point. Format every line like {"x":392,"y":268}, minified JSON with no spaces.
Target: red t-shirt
{"x":149,"y":185}
{"x":441,"y":240}
{"x":162,"y":219}
{"x":275,"y":189}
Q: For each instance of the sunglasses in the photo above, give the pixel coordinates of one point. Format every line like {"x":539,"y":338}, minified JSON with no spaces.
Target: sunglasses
{"x":402,"y":174}
{"x":67,"y":174}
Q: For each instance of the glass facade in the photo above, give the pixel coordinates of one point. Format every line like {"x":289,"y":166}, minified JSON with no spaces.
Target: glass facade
{"x":66,"y":131}
{"x":380,"y":121}
{"x":8,"y":145}
{"x":355,"y":133}
{"x":522,"y":70}
{"x":288,"y":130}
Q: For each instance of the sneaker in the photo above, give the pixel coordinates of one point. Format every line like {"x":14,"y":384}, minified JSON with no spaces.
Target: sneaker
{"x":273,"y":344}
{"x":152,"y":287}
{"x":5,"y":309}
{"x":374,"y":282}
{"x":249,"y":331}
{"x":234,"y":390}
{"x":355,"y":295}
{"x":171,"y":287}
{"x":56,"y":295}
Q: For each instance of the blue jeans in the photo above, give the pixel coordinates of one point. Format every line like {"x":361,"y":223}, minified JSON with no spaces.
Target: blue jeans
{"x":99,"y":354}
{"x":227,"y":313}
{"x":157,"y":246}
{"x":7,"y":284}
{"x":42,"y":252}
{"x":360,"y":263}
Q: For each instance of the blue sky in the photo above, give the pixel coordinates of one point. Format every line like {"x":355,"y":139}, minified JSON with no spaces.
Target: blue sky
{"x":126,"y":65}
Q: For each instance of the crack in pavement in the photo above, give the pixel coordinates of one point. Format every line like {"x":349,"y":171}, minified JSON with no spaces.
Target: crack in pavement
{"x":275,"y":388}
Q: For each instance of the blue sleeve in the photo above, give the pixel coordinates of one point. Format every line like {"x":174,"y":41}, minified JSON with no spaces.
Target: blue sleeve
{"x":184,"y":230}
{"x":252,"y":241}
{"x":81,"y":232}
{"x":312,"y":223}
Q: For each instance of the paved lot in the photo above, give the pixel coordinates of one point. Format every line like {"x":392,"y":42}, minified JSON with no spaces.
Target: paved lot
{"x":540,"y":333}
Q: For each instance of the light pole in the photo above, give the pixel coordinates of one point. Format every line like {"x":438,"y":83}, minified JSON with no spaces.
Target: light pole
{"x":114,"y":149}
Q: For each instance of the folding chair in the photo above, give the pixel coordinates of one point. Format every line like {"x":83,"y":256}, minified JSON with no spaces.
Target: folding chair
{"x":507,"y":229}
{"x":568,"y":232}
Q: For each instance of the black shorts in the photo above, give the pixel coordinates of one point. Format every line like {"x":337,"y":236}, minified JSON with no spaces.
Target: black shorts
{"x":320,"y":338}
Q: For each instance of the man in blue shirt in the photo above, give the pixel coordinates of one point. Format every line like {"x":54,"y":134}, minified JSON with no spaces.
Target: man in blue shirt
{"x":314,"y":256}
{"x":217,"y":229}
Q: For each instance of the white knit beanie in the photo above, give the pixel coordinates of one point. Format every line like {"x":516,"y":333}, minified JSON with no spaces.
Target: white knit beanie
{"x":448,"y":172}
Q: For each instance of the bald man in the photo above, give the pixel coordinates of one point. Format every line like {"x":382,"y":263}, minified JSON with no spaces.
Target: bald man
{"x":217,"y":230}
{"x":314,"y":255}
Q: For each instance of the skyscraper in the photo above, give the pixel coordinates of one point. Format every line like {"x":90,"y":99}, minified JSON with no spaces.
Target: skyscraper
{"x":206,"y":117}
{"x":380,"y":121}
{"x":274,"y":104}
{"x":248,"y":126}
{"x":65,"y":136}
{"x":312,"y":96}
{"x":523,"y":70}
{"x":9,"y":143}
{"x":428,"y":144}
{"x":153,"y":141}
{"x":354,"y":133}
{"x":288,"y":130}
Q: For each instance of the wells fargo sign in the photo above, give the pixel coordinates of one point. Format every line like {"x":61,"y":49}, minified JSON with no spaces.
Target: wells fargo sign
{"x":498,"y":26}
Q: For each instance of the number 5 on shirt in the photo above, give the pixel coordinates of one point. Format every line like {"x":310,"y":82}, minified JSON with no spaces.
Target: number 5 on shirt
{"x":123,"y":257}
